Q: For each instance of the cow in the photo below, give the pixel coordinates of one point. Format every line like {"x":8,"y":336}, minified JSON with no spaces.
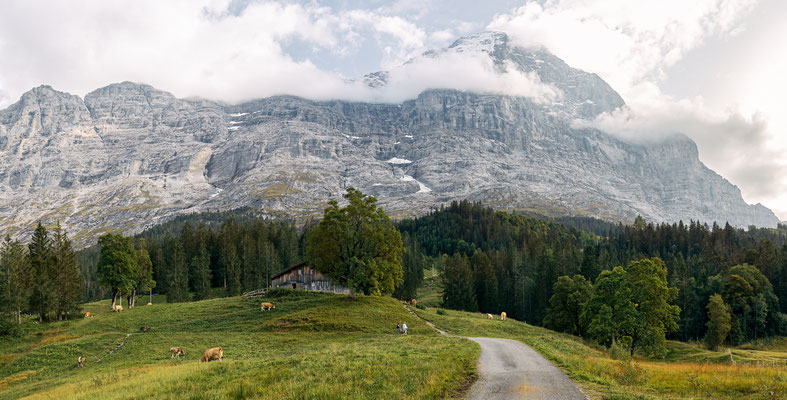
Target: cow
{"x":176,"y":352}
{"x":413,"y":302}
{"x":245,"y":294}
{"x":88,"y":314}
{"x":489,"y":316}
{"x":216,"y":353}
{"x":266,"y":306}
{"x":503,"y":316}
{"x":144,"y":329}
{"x":118,"y":308}
{"x":150,"y":304}
{"x":81,"y":361}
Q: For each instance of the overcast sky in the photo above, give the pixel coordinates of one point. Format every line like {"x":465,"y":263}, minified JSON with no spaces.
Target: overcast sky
{"x":712,"y":69}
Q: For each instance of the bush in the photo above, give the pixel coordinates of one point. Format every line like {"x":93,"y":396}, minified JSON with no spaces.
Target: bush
{"x":9,"y":328}
{"x":440,"y":311}
{"x":629,"y":373}
{"x":420,"y":307}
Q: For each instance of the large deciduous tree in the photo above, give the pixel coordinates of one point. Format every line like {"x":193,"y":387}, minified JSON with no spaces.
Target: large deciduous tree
{"x":718,"y":322}
{"x":143,"y":281}
{"x":357,"y":246}
{"x":569,"y":297}
{"x":117,"y":266}
{"x":632,"y":305}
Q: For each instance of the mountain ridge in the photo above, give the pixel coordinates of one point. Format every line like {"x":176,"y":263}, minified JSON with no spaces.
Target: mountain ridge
{"x":128,"y":156}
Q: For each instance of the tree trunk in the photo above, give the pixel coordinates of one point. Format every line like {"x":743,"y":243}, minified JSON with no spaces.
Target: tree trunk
{"x":133,"y":298}
{"x":18,"y":316}
{"x":114,"y":297}
{"x":352,"y":294}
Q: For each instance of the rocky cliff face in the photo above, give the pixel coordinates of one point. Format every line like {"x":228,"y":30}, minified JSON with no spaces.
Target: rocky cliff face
{"x":129,"y":156}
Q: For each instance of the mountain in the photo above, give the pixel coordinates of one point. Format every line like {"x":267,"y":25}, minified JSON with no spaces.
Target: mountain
{"x":128,"y":156}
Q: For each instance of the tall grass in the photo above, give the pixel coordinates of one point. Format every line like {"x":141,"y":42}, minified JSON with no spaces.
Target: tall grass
{"x":688,"y":372}
{"x":312,"y":345}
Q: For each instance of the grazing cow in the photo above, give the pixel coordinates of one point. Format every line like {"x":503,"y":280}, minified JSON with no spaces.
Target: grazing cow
{"x":413,"y":302}
{"x":81,"y":361}
{"x":150,"y":304}
{"x":245,"y":294}
{"x":88,"y":314}
{"x":216,"y":353}
{"x":503,"y":316}
{"x":266,"y":306}
{"x":144,"y":329}
{"x":118,"y":308}
{"x":489,"y":316}
{"x":176,"y":352}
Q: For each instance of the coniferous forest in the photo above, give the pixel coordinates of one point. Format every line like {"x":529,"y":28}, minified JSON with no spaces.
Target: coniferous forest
{"x":632,"y":284}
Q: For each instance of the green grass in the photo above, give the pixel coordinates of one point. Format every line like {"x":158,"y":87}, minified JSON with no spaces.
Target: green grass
{"x":688,"y":372}
{"x":312,"y":345}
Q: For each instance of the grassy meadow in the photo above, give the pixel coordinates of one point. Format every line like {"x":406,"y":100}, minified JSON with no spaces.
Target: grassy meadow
{"x":311,"y":346}
{"x":688,"y":372}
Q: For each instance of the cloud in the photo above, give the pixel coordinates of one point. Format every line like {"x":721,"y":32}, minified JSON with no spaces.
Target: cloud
{"x":737,"y":146}
{"x":632,"y":45}
{"x":626,"y":42}
{"x":217,"y":50}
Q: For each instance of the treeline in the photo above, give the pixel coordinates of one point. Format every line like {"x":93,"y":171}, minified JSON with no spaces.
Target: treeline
{"x":40,"y":278}
{"x":498,"y":261}
{"x":190,"y":256}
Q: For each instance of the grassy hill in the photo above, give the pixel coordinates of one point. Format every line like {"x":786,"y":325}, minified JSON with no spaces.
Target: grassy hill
{"x":312,"y":345}
{"x":688,"y":372}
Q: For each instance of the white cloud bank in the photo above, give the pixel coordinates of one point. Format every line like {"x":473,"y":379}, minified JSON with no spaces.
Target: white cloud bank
{"x":631,"y":45}
{"x":198,"y":48}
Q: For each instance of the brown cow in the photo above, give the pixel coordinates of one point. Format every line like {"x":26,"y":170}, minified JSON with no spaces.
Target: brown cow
{"x":176,"y":352}
{"x":81,"y":361}
{"x":413,"y":302}
{"x":150,"y":304}
{"x":266,"y":306}
{"x":489,"y":316}
{"x":144,"y":329}
{"x":503,"y":316}
{"x":88,"y":314}
{"x":216,"y":353}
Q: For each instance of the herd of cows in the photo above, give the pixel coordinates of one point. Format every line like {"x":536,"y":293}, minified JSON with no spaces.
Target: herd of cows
{"x":212,"y":354}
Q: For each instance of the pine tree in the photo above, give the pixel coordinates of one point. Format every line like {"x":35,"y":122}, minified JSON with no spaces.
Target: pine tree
{"x":16,"y":285}
{"x":68,"y":287}
{"x":458,"y":283}
{"x":231,"y":264}
{"x":42,"y":298}
{"x":201,"y":264}
{"x":178,"y":280}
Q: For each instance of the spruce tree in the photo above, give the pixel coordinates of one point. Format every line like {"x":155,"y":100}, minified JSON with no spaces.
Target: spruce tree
{"x":16,"y":285}
{"x":68,"y":281}
{"x":201,"y":264}
{"x":178,"y":280}
{"x":42,"y":267}
{"x":458,"y":283}
{"x":232,"y":270}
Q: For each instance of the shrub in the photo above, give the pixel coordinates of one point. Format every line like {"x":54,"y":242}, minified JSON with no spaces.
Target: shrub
{"x":440,"y":311}
{"x":420,"y":307}
{"x":9,"y":328}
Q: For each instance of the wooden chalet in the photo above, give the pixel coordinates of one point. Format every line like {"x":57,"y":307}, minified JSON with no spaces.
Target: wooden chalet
{"x":302,"y":276}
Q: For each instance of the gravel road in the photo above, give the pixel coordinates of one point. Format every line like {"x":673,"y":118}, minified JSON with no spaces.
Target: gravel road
{"x":510,"y":370}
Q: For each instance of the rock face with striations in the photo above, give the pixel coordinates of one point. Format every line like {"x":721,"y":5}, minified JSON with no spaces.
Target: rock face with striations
{"x":129,"y":156}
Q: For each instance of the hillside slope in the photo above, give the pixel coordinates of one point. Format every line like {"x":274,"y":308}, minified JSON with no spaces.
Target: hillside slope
{"x":310,"y":346}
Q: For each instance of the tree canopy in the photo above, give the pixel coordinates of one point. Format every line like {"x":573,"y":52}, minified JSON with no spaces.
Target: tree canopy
{"x":357,"y":246}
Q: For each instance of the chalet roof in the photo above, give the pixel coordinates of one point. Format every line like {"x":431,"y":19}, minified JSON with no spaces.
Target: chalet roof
{"x":288,"y":270}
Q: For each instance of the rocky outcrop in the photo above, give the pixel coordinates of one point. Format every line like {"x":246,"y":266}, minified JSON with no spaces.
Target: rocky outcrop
{"x":129,"y":156}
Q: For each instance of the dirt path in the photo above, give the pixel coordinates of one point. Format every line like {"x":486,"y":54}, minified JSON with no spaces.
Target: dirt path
{"x":511,"y":370}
